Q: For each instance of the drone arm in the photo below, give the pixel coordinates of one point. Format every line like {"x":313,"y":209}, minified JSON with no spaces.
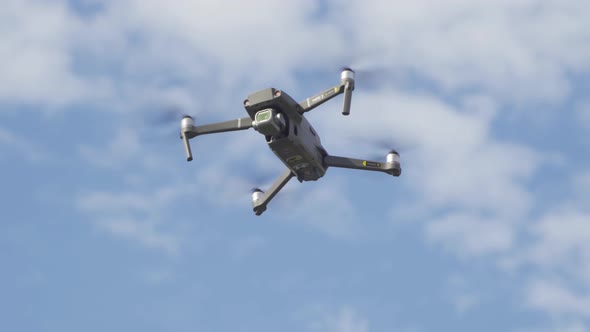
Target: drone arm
{"x":391,"y":168}
{"x":259,"y":205}
{"x":346,"y":86}
{"x":219,"y":127}
{"x":322,"y":97}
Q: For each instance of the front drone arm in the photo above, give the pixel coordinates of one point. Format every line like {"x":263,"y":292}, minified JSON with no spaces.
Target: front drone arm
{"x":391,"y":166}
{"x":346,"y":86}
{"x":322,"y":97}
{"x":260,"y":199}
{"x":219,"y":127}
{"x":188,"y":130}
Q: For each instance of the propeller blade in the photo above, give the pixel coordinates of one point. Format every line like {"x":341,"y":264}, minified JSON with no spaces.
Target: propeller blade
{"x":165,"y":116}
{"x":378,"y":148}
{"x":371,"y":69}
{"x":386,"y":144}
{"x":366,"y":75}
{"x":249,"y":180}
{"x":162,"y":122}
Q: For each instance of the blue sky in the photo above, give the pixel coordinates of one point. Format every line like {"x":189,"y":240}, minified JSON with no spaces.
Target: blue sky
{"x":105,"y":226}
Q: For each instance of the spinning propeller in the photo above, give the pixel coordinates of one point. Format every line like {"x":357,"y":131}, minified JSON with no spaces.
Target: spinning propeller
{"x":167,"y":115}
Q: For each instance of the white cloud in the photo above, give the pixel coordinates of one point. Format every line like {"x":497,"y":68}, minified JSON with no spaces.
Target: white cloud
{"x":21,"y":146}
{"x":582,"y":109}
{"x":122,"y":148}
{"x":503,"y":49}
{"x":344,"y":320}
{"x":468,"y":235}
{"x":554,"y":298}
{"x":567,"y":326}
{"x":106,"y":201}
{"x":469,"y":187}
{"x":563,"y":236}
{"x":559,"y":256}
{"x":272,"y":36}
{"x":158,"y":276}
{"x":137,"y":216}
{"x":456,"y":162}
{"x":575,"y":326}
{"x":465,"y":302}
{"x":581,"y":188}
{"x":37,"y":58}
{"x":462,"y":295}
{"x":323,"y":207}
{"x":247,"y":246}
{"x":143,"y":232}
{"x":516,"y":50}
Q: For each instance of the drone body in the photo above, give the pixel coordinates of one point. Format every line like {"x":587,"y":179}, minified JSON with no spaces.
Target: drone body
{"x":281,"y":120}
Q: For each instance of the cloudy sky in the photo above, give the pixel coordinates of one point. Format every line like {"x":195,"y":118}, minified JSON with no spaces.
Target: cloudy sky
{"x":105,"y":227}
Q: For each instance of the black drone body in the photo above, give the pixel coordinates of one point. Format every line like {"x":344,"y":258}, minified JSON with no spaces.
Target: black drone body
{"x":281,"y":120}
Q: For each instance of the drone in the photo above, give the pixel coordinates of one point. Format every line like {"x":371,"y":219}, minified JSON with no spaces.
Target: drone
{"x":290,"y":136}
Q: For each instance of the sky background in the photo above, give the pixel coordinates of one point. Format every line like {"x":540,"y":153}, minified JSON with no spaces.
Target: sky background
{"x":104,"y":226}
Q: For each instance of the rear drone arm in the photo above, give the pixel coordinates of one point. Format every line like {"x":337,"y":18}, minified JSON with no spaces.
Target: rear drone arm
{"x":391,"y":166}
{"x":189,"y":130}
{"x":261,"y":199}
{"x":346,"y":86}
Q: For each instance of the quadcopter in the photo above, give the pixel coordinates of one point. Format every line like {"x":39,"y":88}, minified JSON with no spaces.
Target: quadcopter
{"x":280,"y":119}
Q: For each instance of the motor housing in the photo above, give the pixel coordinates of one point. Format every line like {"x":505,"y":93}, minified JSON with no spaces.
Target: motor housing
{"x":256,"y":195}
{"x":394,"y":161}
